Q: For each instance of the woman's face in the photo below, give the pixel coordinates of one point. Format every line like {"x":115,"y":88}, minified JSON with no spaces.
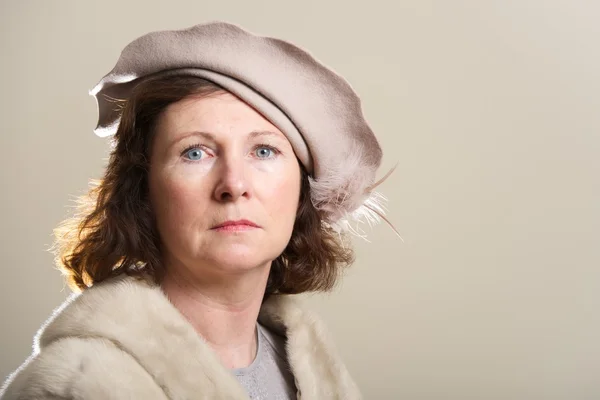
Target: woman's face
{"x":214,"y":160}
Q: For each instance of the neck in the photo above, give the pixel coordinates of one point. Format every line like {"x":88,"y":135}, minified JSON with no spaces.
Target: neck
{"x":223,"y":310}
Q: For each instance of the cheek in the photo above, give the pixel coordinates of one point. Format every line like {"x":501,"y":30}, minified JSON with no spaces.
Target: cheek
{"x":283,"y":198}
{"x":177,"y":200}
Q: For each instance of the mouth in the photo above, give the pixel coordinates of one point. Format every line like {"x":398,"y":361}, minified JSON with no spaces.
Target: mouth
{"x":239,"y":225}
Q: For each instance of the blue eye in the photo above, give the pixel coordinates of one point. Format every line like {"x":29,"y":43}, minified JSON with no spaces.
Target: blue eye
{"x":194,"y":154}
{"x":265,"y":151}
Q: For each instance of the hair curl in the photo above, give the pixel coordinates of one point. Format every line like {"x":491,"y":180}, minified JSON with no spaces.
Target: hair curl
{"x":114,"y":229}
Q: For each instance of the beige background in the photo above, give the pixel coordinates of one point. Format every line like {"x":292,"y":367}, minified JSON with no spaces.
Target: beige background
{"x":491,"y":109}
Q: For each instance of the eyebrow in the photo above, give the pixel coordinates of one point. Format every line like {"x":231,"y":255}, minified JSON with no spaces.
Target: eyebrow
{"x":255,"y":134}
{"x":211,"y":137}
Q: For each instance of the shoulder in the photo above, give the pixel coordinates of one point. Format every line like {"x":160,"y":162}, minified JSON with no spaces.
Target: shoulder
{"x":312,"y":354}
{"x":80,"y":368}
{"x":74,"y":358}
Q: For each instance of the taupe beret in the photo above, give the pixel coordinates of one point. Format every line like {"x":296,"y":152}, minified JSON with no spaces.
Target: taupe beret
{"x":313,"y":106}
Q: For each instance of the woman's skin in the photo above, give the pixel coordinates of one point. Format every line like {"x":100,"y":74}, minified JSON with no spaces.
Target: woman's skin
{"x":216,"y":159}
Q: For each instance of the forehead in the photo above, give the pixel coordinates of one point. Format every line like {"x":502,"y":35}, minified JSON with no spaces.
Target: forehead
{"x":221,"y":114}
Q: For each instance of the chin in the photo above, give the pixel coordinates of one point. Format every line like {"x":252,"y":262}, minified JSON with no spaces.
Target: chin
{"x":240,"y":258}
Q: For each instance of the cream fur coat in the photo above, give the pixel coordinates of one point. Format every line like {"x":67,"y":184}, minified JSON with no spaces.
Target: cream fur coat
{"x":123,"y":339}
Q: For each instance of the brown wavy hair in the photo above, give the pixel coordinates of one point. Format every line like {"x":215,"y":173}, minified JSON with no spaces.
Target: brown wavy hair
{"x":113,"y":230}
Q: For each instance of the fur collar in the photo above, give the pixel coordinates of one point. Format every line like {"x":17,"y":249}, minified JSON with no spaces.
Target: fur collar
{"x":139,"y":319}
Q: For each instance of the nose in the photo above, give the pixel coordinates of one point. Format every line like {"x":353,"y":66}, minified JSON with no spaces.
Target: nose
{"x":232,"y":182}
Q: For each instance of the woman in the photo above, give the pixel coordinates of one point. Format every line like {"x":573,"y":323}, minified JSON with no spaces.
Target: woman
{"x":239,"y":163}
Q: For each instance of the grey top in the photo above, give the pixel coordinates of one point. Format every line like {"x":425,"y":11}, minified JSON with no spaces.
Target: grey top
{"x":269,"y":376}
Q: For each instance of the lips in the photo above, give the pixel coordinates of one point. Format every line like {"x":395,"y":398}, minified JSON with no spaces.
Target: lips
{"x":239,"y":223}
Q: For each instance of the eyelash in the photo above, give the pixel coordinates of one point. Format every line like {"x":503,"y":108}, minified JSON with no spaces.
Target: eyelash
{"x":188,"y":148}
{"x":199,"y":146}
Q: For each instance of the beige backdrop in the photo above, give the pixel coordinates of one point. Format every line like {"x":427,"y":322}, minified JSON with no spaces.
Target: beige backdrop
{"x":490,"y":108}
